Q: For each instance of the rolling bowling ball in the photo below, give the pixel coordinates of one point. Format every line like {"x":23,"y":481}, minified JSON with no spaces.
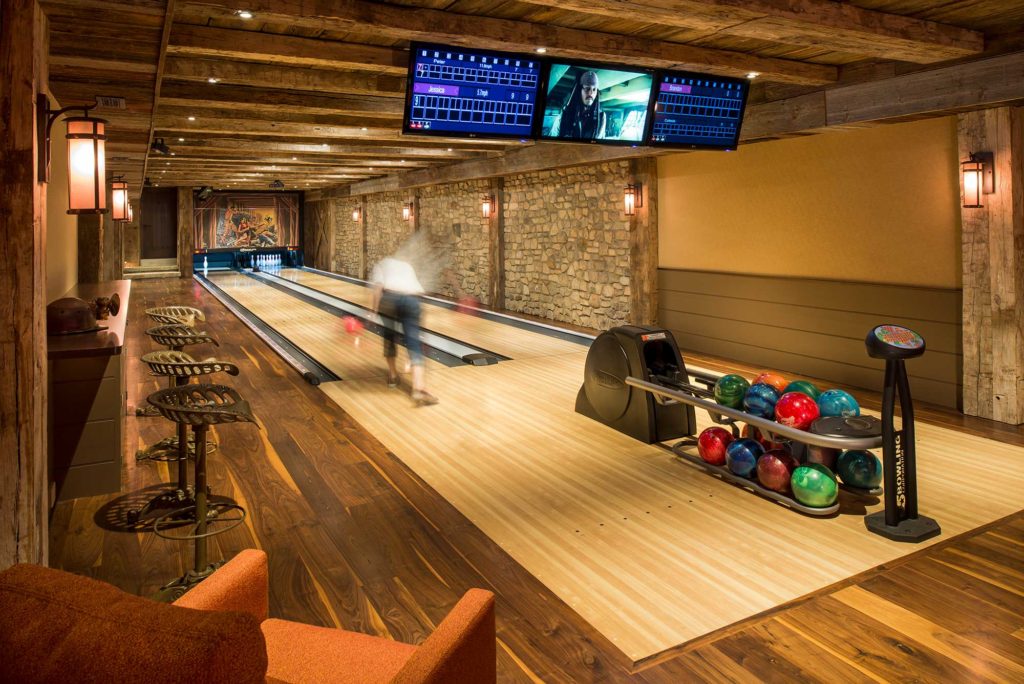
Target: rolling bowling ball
{"x":729,"y":390}
{"x":712,"y":443}
{"x":773,"y":379}
{"x":352,"y":324}
{"x":859,"y":468}
{"x":760,"y":400}
{"x":741,"y":456}
{"x":837,"y":402}
{"x":808,"y":388}
{"x":797,"y":410}
{"x":814,"y":485}
{"x":775,"y":470}
{"x":468,"y":304}
{"x":755,"y":434}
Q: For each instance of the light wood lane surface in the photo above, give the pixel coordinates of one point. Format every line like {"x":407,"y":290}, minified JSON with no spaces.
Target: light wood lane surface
{"x":651,"y":551}
{"x":318,"y":333}
{"x":499,"y":338}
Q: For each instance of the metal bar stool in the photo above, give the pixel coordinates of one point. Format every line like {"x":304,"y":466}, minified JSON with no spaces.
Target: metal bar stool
{"x":174,"y":336}
{"x":181,"y":368}
{"x":199,"y":406}
{"x":170,"y":315}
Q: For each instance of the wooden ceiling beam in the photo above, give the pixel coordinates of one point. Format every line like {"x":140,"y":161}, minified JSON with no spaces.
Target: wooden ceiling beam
{"x":504,"y":34}
{"x":836,"y":26}
{"x":254,"y":74}
{"x":271,"y":100}
{"x":206,"y":41}
{"x":312,"y":145}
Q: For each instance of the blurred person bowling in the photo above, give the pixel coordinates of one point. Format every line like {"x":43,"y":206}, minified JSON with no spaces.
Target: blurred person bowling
{"x":396,"y":295}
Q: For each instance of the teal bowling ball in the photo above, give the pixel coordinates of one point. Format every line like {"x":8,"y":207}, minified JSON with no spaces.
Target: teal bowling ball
{"x":858,"y":468}
{"x":741,"y":456}
{"x":814,"y":485}
{"x":837,"y":402}
{"x":805,"y":387}
{"x":729,"y":390}
{"x":760,"y":400}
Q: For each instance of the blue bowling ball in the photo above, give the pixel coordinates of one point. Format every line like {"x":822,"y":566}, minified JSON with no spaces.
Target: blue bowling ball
{"x":741,"y":456}
{"x":760,"y":400}
{"x":859,"y":468}
{"x":836,"y":402}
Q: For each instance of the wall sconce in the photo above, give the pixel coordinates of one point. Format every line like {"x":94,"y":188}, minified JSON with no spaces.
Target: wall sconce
{"x":118,"y":200}
{"x":979,"y":174}
{"x":86,"y":155}
{"x":633,"y":198}
{"x":131,"y":214}
{"x":407,"y":211}
{"x":357,"y":214}
{"x":487,"y":206}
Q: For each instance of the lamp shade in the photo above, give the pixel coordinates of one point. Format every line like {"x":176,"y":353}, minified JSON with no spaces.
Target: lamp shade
{"x":119,"y":200}
{"x":407,"y":211}
{"x":356,"y":214}
{"x":131,"y":214}
{"x":487,"y":206}
{"x":632,"y":198}
{"x":86,"y":165}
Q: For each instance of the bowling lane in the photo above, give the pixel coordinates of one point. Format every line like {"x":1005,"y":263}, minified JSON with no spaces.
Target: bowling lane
{"x":317,"y":332}
{"x":500,"y":338}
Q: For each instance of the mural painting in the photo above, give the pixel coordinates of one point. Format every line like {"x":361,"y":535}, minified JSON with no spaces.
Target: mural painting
{"x":230,"y":220}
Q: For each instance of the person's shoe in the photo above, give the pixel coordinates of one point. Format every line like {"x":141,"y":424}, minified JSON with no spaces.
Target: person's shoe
{"x":392,"y":381}
{"x":424,"y":398}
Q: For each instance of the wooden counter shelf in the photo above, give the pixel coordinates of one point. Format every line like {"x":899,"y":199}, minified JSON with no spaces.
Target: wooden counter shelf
{"x":87,"y":401}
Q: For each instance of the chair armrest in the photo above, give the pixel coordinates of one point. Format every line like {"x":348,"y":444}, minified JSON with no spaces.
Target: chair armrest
{"x":240,"y":585}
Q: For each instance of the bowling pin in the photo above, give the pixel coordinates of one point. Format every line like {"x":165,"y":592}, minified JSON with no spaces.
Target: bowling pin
{"x":206,"y":266}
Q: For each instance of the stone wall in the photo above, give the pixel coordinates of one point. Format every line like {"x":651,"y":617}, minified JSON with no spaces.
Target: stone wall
{"x":348,"y":238}
{"x":567,"y":245}
{"x":385,"y":227}
{"x":450,"y":214}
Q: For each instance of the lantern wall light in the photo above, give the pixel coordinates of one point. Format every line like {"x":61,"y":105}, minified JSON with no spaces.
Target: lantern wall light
{"x":487,"y":206}
{"x":357,"y":214}
{"x":979,"y":175}
{"x":119,"y":199}
{"x":86,"y":138}
{"x":633,"y":198}
{"x":407,"y":211}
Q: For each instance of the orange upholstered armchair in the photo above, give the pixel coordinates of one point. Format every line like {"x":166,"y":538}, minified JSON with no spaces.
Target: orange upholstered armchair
{"x":58,"y":627}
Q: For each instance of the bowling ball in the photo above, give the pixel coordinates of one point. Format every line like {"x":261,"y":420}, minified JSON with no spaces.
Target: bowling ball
{"x":352,"y":324}
{"x":797,"y":410}
{"x":760,"y":400}
{"x":729,"y":390}
{"x":467,"y":305}
{"x":859,"y":468}
{"x":773,"y":379}
{"x":755,"y":434}
{"x":775,"y":469}
{"x":712,"y":443}
{"x":808,"y":388}
{"x":837,"y":402}
{"x":814,"y":485}
{"x":741,"y":456}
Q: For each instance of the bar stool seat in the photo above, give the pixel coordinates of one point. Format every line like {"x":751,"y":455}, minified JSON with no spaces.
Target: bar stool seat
{"x":199,"y":406}
{"x":186,"y":315}
{"x":175,"y":336}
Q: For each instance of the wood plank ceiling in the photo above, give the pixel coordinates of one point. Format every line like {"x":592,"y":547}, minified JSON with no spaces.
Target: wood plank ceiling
{"x":310,"y":92}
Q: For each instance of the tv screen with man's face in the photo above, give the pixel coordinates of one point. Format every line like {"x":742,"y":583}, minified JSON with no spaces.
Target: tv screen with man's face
{"x":590,"y":103}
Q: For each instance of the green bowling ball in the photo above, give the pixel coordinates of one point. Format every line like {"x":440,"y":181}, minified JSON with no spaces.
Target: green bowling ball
{"x":730,"y":389}
{"x":859,"y":468}
{"x":804,"y":386}
{"x":814,"y":485}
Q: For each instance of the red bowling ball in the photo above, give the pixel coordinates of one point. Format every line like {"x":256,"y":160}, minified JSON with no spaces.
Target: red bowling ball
{"x":352,"y":325}
{"x":775,"y":469}
{"x":797,"y":410}
{"x":712,"y":443}
{"x":755,"y":434}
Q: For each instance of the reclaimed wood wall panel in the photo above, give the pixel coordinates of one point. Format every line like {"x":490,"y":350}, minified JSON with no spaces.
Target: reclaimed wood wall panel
{"x":186,"y":232}
{"x":813,"y":327}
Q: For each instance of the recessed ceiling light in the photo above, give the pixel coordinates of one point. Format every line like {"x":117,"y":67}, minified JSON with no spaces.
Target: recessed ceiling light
{"x":212,"y":80}
{"x":402,"y":161}
{"x":295,"y":158}
{"x":363,"y":128}
{"x":181,"y":140}
{"x":324,"y":145}
{"x":753,"y":74}
{"x":541,"y":50}
{"x":244,"y":14}
{"x":173,"y":153}
{"x":191,"y":118}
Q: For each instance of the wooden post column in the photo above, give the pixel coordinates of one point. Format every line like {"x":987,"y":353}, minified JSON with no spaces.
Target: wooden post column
{"x":496,"y":246}
{"x":186,"y":231}
{"x":23,"y":393}
{"x":90,"y":247}
{"x":362,"y":238}
{"x":993,"y":269}
{"x":643,"y":244}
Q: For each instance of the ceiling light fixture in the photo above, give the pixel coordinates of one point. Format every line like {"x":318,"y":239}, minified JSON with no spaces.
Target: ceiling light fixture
{"x":191,"y":118}
{"x":243,"y":14}
{"x":213,"y":80}
{"x":753,"y":74}
{"x":541,"y":50}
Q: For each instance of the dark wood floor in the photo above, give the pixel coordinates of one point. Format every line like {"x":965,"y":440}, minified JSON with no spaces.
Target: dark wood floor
{"x":357,"y":540}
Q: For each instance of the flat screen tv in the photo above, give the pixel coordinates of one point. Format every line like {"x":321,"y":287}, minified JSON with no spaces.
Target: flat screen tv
{"x":596,"y":103}
{"x":697,"y":111}
{"x":454,"y":91}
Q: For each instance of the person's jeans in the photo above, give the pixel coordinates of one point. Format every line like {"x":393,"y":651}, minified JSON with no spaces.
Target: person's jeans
{"x":406,"y":309}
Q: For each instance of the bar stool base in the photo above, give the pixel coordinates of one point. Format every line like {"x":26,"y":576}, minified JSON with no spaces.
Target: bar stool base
{"x":175,"y":589}
{"x":167,"y":449}
{"x":165,"y":503}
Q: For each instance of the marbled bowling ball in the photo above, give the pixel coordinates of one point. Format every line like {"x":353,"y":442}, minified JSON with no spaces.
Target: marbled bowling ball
{"x":755,"y":434}
{"x":858,"y":468}
{"x":741,"y":456}
{"x":814,"y":485}
{"x":712,"y":443}
{"x":808,"y":388}
{"x":837,"y":402}
{"x":729,"y":390}
{"x":797,"y":410}
{"x":773,"y":379}
{"x":760,"y":400}
{"x":775,"y":470}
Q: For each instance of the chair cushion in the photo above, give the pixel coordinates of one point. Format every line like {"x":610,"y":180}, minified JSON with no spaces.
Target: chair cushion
{"x":59,"y":627}
{"x":300,"y":653}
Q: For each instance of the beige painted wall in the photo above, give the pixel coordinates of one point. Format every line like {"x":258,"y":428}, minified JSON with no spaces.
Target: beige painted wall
{"x":61,"y":227}
{"x":873,"y":205}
